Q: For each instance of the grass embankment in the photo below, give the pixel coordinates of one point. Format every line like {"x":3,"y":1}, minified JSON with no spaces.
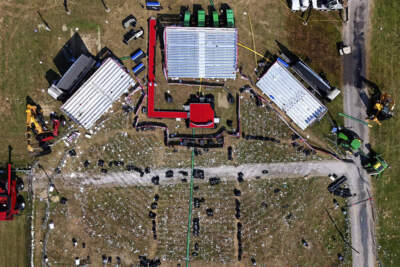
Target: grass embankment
{"x":384,"y":70}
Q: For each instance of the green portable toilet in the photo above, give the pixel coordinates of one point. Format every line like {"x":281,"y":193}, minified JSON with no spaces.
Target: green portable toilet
{"x":215,"y":18}
{"x":229,"y":18}
{"x":201,"y":18}
{"x":186,"y":19}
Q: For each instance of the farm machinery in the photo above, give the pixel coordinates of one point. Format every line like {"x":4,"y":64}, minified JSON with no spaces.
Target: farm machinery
{"x":36,"y":127}
{"x":382,"y":108}
{"x":375,"y":165}
{"x":11,"y":203}
{"x":347,"y":139}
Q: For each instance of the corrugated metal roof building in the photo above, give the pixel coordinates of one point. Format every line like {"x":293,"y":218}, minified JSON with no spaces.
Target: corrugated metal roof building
{"x":76,"y":73}
{"x":98,"y":93}
{"x":290,"y":95}
{"x":198,"y":52}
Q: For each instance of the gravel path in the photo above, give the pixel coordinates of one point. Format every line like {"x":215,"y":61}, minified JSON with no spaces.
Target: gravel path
{"x":250,"y":171}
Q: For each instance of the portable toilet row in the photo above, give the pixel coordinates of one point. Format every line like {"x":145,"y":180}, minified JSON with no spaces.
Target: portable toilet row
{"x":153,"y":5}
{"x":214,"y":17}
{"x":137,"y":57}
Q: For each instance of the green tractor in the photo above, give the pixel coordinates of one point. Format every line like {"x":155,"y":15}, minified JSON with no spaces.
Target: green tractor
{"x":348,"y":140}
{"x":375,"y":165}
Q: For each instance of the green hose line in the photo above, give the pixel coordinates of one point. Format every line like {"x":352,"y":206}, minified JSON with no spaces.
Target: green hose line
{"x":190,"y":210}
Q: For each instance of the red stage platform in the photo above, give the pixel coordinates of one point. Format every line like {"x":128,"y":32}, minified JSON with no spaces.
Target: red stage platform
{"x":151,"y":78}
{"x":201,"y":115}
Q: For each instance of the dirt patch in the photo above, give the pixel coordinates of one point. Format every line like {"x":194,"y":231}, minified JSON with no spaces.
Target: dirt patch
{"x":222,"y":101}
{"x":91,"y":42}
{"x":5,"y":106}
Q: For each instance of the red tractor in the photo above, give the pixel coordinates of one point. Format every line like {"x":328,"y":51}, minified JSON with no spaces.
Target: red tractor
{"x":10,"y":202}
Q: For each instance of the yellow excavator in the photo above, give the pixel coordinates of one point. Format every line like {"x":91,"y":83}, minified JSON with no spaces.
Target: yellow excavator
{"x":35,"y":124}
{"x":382,"y":109}
{"x":34,"y":120}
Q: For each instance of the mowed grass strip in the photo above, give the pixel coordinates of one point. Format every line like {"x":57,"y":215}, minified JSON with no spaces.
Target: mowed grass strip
{"x":15,"y":236}
{"x":384,"y":70}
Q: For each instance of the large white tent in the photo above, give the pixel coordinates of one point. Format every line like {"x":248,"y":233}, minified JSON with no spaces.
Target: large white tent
{"x":98,"y":93}
{"x":198,"y":52}
{"x":290,"y":95}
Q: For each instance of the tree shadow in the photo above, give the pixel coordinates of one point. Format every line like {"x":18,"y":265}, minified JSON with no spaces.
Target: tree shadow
{"x":371,"y":154}
{"x":283,"y":49}
{"x":376,"y":91}
{"x":52,"y":77}
{"x":29,"y":101}
{"x":71,"y":50}
{"x":375,"y":94}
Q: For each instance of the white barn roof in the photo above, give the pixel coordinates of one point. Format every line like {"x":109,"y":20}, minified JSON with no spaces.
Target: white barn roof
{"x":198,"y":52}
{"x":98,"y":93}
{"x":290,"y":95}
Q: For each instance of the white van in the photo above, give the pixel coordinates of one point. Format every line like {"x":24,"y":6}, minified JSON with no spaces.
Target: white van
{"x":300,"y":5}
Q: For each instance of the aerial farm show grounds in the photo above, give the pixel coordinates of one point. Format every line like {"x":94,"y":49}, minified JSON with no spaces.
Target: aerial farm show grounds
{"x":185,"y":169}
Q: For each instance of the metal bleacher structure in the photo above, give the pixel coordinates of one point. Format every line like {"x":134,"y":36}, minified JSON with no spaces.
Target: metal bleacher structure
{"x":290,"y":95}
{"x":198,"y":52}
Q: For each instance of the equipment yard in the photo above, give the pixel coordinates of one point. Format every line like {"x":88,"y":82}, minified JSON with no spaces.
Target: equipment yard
{"x":220,"y":133}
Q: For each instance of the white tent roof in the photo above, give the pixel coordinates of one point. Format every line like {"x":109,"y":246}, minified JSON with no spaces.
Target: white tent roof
{"x":290,"y":95}
{"x":98,"y":93}
{"x":198,"y":52}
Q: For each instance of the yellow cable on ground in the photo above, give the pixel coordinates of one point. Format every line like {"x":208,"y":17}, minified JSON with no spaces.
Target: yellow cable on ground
{"x":200,"y":85}
{"x":252,"y":36}
{"x":255,"y":52}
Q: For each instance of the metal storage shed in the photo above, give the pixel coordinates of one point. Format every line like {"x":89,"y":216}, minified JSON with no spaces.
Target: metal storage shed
{"x":98,"y":93}
{"x":290,"y":95}
{"x":76,"y":73}
{"x":199,"y":52}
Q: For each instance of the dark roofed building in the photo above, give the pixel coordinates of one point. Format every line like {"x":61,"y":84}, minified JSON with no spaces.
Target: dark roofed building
{"x":76,"y":73}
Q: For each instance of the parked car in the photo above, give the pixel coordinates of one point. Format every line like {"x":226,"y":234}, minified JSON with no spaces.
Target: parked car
{"x":132,"y":35}
{"x":129,"y":21}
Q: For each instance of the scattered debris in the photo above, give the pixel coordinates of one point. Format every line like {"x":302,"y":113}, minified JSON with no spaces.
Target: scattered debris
{"x":240,"y":177}
{"x":304,"y":243}
{"x":214,"y":180}
{"x":210,"y":212}
{"x":169,"y":174}
{"x":198,"y":173}
{"x":237,"y":192}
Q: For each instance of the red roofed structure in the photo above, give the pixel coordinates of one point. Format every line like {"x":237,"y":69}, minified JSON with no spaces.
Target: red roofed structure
{"x":201,"y":115}
{"x":151,"y":78}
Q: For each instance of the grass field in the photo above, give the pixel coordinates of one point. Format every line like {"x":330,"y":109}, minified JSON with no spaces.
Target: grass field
{"x":14,"y":244}
{"x":385,"y":72}
{"x":15,"y":240}
{"x":115,"y":222}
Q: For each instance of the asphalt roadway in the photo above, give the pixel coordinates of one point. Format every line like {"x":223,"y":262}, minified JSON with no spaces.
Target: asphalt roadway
{"x":361,"y":216}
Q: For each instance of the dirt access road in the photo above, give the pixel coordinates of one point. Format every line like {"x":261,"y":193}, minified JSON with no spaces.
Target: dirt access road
{"x":226,"y":173}
{"x":361,"y":216}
